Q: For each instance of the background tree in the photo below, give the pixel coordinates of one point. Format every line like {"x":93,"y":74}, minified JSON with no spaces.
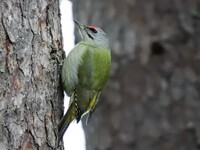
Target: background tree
{"x":30,"y":95}
{"x":152,"y":100}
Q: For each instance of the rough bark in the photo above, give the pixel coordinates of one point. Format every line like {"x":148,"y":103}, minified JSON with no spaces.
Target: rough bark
{"x":152,"y":101}
{"x":30,"y":92}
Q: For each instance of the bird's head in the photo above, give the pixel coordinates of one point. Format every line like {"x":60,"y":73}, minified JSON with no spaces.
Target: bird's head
{"x":93,"y":34}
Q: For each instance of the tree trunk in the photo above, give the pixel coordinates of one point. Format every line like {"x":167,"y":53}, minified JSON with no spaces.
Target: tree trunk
{"x":152,"y":101}
{"x":30,"y":92}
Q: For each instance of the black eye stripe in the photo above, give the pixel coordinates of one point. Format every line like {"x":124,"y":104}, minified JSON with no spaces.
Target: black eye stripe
{"x":90,"y":36}
{"x":93,"y":30}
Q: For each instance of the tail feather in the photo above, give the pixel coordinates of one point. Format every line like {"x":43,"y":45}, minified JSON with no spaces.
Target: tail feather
{"x":66,"y":120}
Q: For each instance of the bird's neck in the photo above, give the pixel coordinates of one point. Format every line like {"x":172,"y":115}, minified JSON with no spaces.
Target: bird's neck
{"x":98,"y":44}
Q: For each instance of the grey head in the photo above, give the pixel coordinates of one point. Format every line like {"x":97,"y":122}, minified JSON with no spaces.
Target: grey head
{"x":93,"y":35}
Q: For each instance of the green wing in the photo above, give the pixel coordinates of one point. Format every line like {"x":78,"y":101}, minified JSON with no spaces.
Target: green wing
{"x":92,"y":74}
{"x":94,"y":70}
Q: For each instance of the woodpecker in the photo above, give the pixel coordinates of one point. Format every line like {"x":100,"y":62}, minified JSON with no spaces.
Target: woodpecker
{"x":85,"y":73}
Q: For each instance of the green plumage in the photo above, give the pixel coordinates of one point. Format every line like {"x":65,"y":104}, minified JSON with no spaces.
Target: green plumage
{"x":84,"y":74}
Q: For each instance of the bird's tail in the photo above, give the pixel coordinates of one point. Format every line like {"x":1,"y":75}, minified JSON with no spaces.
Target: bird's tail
{"x":66,"y":120}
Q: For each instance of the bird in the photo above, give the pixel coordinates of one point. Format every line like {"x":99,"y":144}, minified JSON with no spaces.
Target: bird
{"x":85,"y":72}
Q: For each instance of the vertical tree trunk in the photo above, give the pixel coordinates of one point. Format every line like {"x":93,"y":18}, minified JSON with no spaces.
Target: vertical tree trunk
{"x":152,"y":101}
{"x":30,"y":92}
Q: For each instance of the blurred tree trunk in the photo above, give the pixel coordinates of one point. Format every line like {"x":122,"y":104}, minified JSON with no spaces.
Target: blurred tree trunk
{"x":30,"y":95}
{"x":152,"y":101}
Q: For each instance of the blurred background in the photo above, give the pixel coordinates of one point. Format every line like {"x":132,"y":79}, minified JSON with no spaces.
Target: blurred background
{"x":152,"y":100}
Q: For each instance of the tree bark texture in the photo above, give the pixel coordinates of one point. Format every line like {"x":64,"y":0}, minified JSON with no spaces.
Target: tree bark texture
{"x":152,"y":101}
{"x":30,"y":92}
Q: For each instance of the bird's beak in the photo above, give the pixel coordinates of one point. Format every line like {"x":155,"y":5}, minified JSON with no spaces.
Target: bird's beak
{"x":79,"y":25}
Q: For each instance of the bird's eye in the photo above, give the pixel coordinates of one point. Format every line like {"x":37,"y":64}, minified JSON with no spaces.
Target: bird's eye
{"x":93,"y":30}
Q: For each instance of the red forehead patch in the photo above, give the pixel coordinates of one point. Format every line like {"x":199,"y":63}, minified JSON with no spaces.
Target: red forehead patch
{"x":93,"y":27}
